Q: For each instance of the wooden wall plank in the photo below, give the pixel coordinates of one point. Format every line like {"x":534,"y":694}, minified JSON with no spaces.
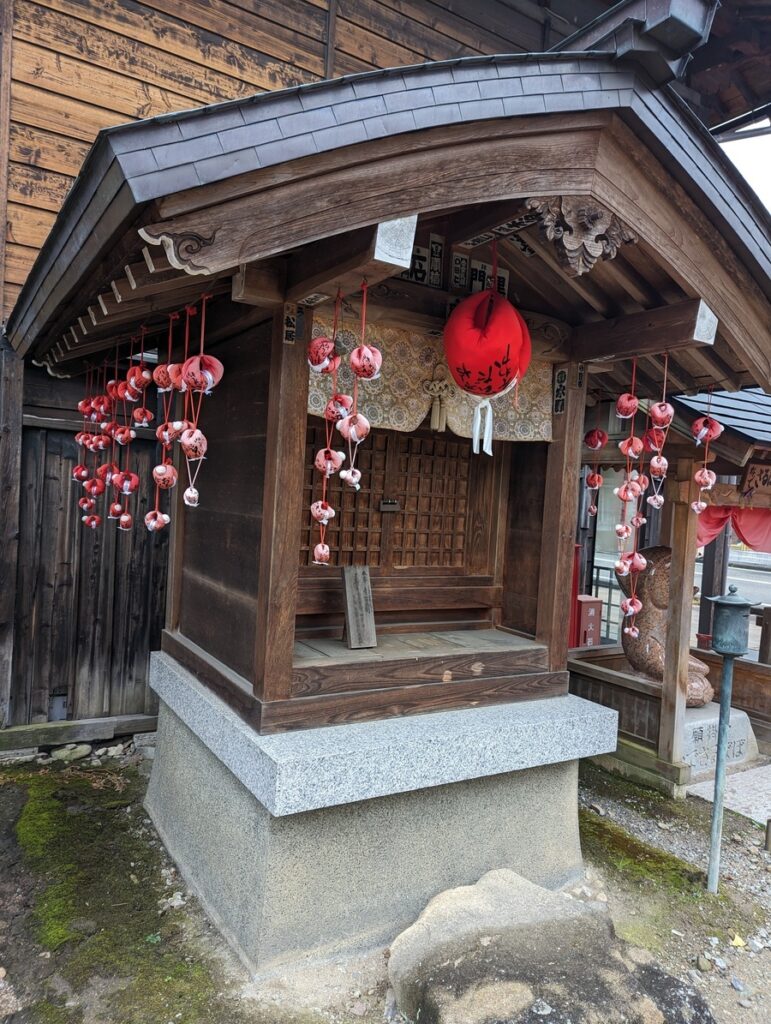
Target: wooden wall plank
{"x":28,"y":226}
{"x":132,"y":38}
{"x":37,"y":188}
{"x":47,"y":150}
{"x":6,"y":57}
{"x":375,"y":50}
{"x":289,"y":31}
{"x":11,"y":386}
{"x":54,"y":113}
{"x":18,"y":262}
{"x":386,"y":25}
{"x":82,"y":80}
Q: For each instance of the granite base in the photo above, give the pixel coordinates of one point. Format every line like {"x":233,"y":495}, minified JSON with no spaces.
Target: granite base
{"x":284,"y":883}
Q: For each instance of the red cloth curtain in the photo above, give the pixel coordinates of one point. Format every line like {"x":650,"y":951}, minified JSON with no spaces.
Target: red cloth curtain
{"x":752,"y":525}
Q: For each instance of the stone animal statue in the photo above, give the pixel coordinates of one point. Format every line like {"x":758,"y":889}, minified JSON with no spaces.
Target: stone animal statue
{"x":645,"y":653}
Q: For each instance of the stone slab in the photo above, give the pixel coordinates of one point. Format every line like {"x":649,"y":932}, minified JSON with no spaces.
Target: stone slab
{"x":325,"y":767}
{"x":747,"y":792}
{"x":501,"y":904}
{"x":700,"y":740}
{"x":348,"y":878}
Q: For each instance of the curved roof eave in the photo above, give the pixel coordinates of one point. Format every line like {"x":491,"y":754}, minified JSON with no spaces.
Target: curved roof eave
{"x":132,"y":165}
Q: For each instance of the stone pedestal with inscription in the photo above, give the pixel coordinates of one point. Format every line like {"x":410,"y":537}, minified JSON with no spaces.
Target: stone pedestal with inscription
{"x":700,"y":744}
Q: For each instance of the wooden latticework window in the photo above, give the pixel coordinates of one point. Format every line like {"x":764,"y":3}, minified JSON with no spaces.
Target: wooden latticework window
{"x":427,"y":475}
{"x":431,"y":481}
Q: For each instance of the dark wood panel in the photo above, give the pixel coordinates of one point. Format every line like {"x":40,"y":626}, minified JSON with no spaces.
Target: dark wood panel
{"x":219,"y":548}
{"x":638,"y":713}
{"x":523,"y":536}
{"x":92,"y":602}
{"x":389,"y":596}
{"x":370,"y":675}
{"x":337,"y":709}
{"x":11,"y":387}
{"x":231,"y":687}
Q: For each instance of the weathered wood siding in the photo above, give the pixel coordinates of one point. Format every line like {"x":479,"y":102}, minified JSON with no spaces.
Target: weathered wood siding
{"x":221,"y":543}
{"x":90,"y":604}
{"x":71,"y":67}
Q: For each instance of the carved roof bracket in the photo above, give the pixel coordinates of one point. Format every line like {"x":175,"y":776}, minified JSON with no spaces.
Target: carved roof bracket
{"x":581,"y":229}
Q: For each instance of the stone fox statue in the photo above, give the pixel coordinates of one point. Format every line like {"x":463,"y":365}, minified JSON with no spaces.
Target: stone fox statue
{"x":646,"y":653}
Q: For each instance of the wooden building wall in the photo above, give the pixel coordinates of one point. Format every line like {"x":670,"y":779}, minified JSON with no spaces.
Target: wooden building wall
{"x":90,"y":604}
{"x":216,"y":605}
{"x":71,"y":67}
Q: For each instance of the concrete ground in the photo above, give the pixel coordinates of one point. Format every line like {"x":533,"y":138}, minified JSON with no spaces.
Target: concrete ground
{"x":748,"y":792}
{"x":96,"y":926}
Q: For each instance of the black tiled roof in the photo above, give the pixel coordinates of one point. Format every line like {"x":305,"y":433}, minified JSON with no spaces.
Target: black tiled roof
{"x":747,"y":412}
{"x":132,"y":165}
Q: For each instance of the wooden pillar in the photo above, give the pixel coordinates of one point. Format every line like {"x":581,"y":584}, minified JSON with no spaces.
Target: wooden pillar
{"x":11,"y":384}
{"x":561,"y":495}
{"x":764,"y":650}
{"x":282,"y":502}
{"x":681,"y":492}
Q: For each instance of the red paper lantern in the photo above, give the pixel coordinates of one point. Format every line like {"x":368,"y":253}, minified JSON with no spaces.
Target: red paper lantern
{"x":486,"y":344}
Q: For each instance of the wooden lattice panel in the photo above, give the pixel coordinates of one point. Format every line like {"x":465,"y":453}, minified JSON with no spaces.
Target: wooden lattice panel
{"x":355,"y":534}
{"x":431,"y":482}
{"x":429,"y":479}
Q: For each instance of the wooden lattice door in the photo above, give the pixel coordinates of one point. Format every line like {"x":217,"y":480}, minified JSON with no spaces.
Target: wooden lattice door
{"x":426,"y":521}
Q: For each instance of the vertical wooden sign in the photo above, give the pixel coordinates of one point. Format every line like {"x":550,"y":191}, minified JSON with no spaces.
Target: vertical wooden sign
{"x":359,"y":631}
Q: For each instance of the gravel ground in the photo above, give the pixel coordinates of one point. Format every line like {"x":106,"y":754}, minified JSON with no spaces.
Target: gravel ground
{"x":732,"y":973}
{"x":682,"y":828}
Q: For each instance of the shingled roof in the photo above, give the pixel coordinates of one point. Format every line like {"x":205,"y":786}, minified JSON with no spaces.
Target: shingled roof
{"x":132,"y":165}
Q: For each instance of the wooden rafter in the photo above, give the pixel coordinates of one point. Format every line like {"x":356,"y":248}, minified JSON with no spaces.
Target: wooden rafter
{"x":649,"y":332}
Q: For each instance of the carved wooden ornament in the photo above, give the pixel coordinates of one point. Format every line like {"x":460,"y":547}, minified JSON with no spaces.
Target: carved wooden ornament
{"x":581,"y":230}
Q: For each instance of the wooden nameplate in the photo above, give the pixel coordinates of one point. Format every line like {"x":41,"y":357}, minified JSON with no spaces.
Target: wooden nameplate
{"x":359,"y":628}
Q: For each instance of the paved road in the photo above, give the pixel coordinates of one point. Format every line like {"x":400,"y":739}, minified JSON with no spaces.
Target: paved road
{"x":753,"y":584}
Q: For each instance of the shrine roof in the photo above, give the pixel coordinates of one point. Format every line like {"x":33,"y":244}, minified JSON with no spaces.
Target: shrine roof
{"x":747,"y":412}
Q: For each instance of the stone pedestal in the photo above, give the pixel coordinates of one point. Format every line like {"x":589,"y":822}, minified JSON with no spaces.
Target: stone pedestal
{"x":700,"y":745}
{"x":334,"y":839}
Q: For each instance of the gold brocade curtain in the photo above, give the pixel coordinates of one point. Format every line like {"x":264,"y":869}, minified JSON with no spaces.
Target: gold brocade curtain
{"x":415,"y":380}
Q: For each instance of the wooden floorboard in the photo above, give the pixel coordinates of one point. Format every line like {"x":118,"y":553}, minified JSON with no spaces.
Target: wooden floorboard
{"x":320,"y":652}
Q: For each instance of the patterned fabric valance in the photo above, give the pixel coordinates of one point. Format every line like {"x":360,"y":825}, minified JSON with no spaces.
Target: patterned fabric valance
{"x":416,"y":381}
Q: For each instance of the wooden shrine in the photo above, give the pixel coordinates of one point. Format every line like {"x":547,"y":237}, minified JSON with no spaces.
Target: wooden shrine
{"x":620,"y":232}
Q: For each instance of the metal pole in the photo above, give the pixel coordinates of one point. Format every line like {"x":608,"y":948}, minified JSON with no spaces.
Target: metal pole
{"x":726,"y":686}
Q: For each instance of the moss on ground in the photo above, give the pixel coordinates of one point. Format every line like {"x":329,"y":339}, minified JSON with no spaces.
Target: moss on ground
{"x":81,"y":834}
{"x":661,"y":891}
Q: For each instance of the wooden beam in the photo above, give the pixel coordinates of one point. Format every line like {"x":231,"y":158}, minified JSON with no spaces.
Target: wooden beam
{"x":139,"y":281}
{"x":483,"y":219}
{"x":260,"y":284}
{"x":155,"y":259}
{"x":582,"y":286}
{"x":54,"y":734}
{"x":317,"y":272}
{"x":560,"y":511}
{"x":11,"y":387}
{"x":650,"y":332}
{"x":282,"y":507}
{"x":681,"y":492}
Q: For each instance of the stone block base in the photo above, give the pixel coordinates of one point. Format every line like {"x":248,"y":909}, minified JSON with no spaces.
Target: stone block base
{"x":700,"y":741}
{"x":285,"y":882}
